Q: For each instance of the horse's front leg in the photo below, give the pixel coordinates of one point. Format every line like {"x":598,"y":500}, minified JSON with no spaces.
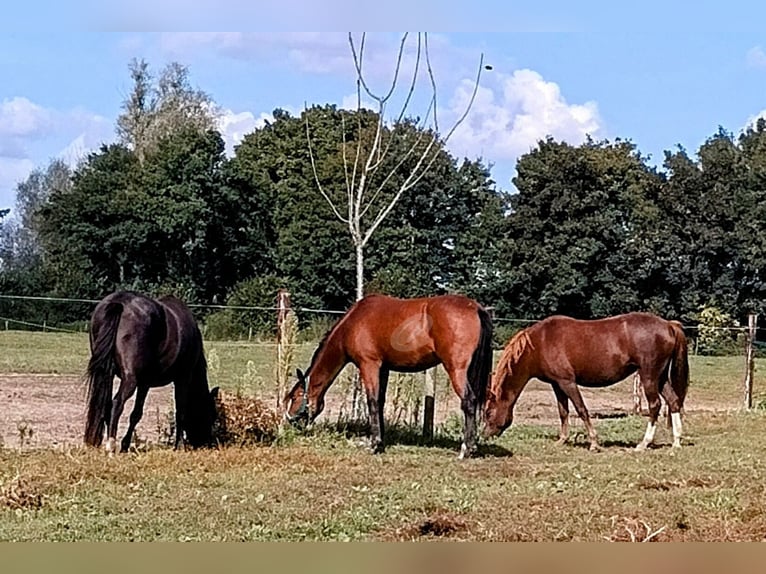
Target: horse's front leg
{"x":135,"y":416}
{"x":180,"y":396}
{"x":570,"y":388}
{"x":375,"y":379}
{"x":563,"y":403}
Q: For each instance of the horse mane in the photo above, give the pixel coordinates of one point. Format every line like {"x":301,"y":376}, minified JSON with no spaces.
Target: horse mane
{"x":510,"y":356}
{"x":329,"y":333}
{"x":321,"y":345}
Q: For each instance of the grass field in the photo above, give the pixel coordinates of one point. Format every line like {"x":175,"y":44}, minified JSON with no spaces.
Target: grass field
{"x":323,"y":485}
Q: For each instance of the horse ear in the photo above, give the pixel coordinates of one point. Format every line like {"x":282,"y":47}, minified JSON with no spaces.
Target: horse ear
{"x":300,"y":375}
{"x":214,"y":392}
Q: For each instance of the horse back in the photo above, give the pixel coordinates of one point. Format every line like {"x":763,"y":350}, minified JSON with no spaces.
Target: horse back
{"x":602,"y":351}
{"x":411,"y":333}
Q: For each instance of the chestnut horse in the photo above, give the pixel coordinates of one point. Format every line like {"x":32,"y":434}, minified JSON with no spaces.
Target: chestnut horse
{"x":380,"y":334}
{"x":566,"y":352}
{"x":146,"y":343}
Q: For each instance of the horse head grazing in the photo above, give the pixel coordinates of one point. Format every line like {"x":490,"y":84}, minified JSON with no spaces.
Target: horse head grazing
{"x":296,"y":402}
{"x":504,"y":387}
{"x":202,"y":417}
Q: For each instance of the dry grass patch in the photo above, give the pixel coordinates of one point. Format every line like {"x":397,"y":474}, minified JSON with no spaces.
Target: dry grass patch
{"x":18,"y":493}
{"x":244,"y":420}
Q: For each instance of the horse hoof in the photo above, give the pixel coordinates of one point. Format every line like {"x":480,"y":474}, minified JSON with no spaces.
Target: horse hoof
{"x":377,"y":448}
{"x":640,"y":447}
{"x":595,"y":448}
{"x":465,"y":452}
{"x":561,"y":442}
{"x":677,"y":444}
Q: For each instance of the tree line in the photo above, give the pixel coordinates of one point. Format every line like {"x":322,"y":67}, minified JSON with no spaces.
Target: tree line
{"x":589,"y":230}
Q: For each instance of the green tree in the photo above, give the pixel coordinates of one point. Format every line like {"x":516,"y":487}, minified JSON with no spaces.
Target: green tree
{"x":574,"y":232}
{"x":159,"y":107}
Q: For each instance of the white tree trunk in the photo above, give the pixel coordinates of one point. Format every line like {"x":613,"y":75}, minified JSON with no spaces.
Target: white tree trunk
{"x":359,"y":271}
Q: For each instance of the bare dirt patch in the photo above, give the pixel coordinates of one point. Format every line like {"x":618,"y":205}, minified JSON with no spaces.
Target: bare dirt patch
{"x":49,"y":410}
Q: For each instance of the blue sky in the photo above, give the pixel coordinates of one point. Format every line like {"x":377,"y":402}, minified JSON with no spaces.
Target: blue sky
{"x":660,"y":76}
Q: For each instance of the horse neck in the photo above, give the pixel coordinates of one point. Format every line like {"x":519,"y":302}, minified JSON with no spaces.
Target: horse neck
{"x":329,"y":361}
{"x":516,"y":374}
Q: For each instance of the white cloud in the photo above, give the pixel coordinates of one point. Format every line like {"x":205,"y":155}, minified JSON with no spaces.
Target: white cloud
{"x":756,"y":57}
{"x":21,"y":118}
{"x":751,"y":121}
{"x":308,"y":51}
{"x":31,"y":134}
{"x":509,"y":119}
{"x":312,"y":52}
{"x":234,"y":126}
{"x":12,"y":171}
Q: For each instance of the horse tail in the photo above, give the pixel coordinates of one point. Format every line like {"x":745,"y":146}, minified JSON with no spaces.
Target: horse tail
{"x":100,"y":373}
{"x":481,"y":360}
{"x":679,"y":367}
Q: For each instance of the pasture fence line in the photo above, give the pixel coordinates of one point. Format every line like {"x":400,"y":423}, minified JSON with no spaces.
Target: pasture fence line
{"x":282,"y":317}
{"x":277,"y":308}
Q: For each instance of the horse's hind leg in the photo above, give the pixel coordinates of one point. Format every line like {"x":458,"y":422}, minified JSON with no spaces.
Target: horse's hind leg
{"x":674,"y":407}
{"x":135,"y":416}
{"x":469,"y":406}
{"x":563,"y":403}
{"x":127,"y":388}
{"x":653,"y":401}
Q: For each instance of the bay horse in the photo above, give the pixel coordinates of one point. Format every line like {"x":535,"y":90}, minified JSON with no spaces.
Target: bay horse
{"x":380,"y":334}
{"x":566,"y":352}
{"x":146,"y":343}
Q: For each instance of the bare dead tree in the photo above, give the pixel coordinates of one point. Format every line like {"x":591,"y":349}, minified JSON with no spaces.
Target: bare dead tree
{"x":363,"y":184}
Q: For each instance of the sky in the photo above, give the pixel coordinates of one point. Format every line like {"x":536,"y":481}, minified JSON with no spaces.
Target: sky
{"x":657,"y":74}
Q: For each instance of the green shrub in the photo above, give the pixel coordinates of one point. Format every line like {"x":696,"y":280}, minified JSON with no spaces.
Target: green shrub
{"x":716,"y":333}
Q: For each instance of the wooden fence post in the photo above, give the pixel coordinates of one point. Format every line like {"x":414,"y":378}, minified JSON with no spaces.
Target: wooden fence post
{"x":429,"y":401}
{"x":752,"y":322}
{"x":283,"y":343}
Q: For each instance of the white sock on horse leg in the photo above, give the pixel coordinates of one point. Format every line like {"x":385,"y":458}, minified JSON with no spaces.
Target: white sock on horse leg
{"x":677,"y":428}
{"x":651,"y":428}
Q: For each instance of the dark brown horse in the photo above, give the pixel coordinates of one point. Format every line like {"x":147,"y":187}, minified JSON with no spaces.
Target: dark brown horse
{"x":380,"y":334}
{"x":146,"y":343}
{"x":566,"y":352}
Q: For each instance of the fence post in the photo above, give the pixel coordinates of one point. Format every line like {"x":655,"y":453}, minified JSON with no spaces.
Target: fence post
{"x":429,"y":402}
{"x":284,"y":336}
{"x":752,"y":322}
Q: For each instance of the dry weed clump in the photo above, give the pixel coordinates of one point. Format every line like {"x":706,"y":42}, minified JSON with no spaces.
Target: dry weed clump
{"x":244,"y":420}
{"x":18,"y":494}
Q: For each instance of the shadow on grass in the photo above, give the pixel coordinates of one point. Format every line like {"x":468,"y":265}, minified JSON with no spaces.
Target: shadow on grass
{"x":411,"y":435}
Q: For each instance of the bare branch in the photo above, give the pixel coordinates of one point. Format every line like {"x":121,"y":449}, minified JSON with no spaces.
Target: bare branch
{"x":433,"y":82}
{"x":412,"y":84}
{"x":349,"y":185}
{"x":398,"y":66}
{"x":421,"y":134}
{"x":470,"y":102}
{"x":358,"y":64}
{"x":384,"y":153}
{"x":316,"y":175}
{"x":408,"y":184}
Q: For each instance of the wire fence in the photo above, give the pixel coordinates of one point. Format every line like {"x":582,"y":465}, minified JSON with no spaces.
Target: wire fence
{"x":82,"y":322}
